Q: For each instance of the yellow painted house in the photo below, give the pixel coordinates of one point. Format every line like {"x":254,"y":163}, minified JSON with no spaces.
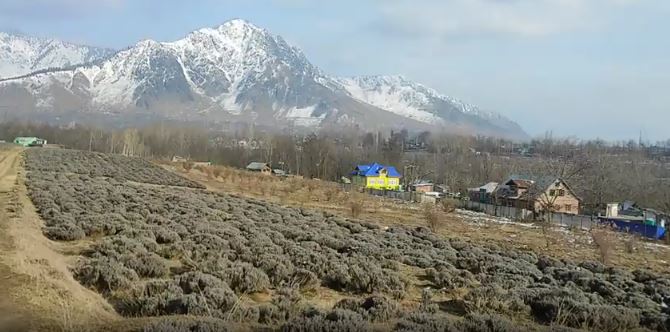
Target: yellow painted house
{"x":376,"y":176}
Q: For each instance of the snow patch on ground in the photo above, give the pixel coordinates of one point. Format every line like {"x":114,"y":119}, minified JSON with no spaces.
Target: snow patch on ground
{"x":652,"y":245}
{"x":483,"y":218}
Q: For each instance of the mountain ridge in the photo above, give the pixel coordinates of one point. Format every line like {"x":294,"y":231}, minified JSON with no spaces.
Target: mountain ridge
{"x":240,"y":72}
{"x":21,"y":54}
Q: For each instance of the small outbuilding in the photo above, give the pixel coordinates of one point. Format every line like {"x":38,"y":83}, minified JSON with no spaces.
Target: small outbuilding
{"x":483,"y":194}
{"x":30,"y":141}
{"x":263,"y":168}
{"x":279,"y":172}
{"x":422,"y":186}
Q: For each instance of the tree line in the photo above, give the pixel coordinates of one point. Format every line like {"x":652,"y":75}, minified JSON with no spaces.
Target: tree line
{"x":600,"y":172}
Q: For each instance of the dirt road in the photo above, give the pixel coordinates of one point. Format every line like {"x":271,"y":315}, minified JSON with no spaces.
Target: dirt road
{"x":12,"y":316}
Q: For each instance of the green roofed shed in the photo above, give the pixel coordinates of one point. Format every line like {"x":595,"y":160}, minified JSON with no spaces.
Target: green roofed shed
{"x":30,"y":141}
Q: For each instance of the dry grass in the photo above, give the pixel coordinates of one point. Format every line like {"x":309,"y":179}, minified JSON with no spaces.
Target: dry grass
{"x":356,"y":208}
{"x":449,"y":205}
{"x":187,"y":165}
{"x":432,"y":216}
{"x":289,"y":190}
{"x":631,"y":244}
{"x":605,"y":244}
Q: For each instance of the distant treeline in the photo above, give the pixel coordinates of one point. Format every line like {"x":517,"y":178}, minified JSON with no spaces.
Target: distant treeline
{"x":600,"y":172}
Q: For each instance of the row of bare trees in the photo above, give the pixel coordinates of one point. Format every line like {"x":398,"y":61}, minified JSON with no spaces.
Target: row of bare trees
{"x":599,"y":172}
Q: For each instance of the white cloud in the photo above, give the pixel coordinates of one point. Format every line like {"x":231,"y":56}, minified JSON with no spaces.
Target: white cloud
{"x":496,"y":17}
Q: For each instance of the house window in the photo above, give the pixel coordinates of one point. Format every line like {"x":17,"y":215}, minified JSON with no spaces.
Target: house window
{"x":552,"y":192}
{"x":568,"y":207}
{"x":561,"y":192}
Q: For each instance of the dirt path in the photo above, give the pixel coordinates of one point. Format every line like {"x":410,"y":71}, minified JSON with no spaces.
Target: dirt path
{"x":13,"y":316}
{"x":37,"y":290}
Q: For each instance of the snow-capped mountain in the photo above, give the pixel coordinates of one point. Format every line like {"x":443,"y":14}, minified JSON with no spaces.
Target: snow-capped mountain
{"x":236,"y":71}
{"x":416,"y":101}
{"x":22,"y":55}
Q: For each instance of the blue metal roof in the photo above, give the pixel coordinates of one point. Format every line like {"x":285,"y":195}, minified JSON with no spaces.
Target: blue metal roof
{"x":374,"y":169}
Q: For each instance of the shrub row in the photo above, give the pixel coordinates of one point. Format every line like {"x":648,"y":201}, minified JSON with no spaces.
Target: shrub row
{"x":185,"y":251}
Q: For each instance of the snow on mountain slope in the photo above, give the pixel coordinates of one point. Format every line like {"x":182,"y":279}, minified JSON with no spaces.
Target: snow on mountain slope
{"x":21,"y":55}
{"x":234,"y":70}
{"x":416,"y":101}
{"x":401,"y":96}
{"x":238,"y":71}
{"x":393,"y":94}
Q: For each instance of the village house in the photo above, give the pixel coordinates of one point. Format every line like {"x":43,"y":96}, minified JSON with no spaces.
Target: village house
{"x":483,"y":194}
{"x":538,"y":194}
{"x":263,"y":168}
{"x":421,"y":186}
{"x":376,"y":176}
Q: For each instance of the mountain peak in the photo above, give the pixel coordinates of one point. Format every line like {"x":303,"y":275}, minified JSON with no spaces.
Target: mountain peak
{"x":234,"y":72}
{"x":239,"y":23}
{"x":235,"y":27}
{"x":147,"y":43}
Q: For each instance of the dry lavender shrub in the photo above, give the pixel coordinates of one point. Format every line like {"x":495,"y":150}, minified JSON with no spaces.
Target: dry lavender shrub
{"x":221,"y":247}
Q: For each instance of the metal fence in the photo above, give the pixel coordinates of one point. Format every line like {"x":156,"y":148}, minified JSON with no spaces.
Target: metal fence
{"x":567,"y":220}
{"x":576,"y":221}
{"x":499,"y":211}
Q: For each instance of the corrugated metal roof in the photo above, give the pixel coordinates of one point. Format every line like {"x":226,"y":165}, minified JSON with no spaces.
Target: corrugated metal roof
{"x":257,"y":166}
{"x":374,"y":169}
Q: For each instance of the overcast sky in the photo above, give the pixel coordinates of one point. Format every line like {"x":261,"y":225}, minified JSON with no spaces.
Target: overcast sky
{"x":584,"y":68}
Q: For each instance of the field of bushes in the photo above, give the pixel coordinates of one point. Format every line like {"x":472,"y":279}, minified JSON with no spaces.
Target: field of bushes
{"x":97,"y":164}
{"x":175,"y":249}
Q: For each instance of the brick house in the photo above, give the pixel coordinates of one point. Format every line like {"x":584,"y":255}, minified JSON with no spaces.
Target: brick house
{"x":538,"y":194}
